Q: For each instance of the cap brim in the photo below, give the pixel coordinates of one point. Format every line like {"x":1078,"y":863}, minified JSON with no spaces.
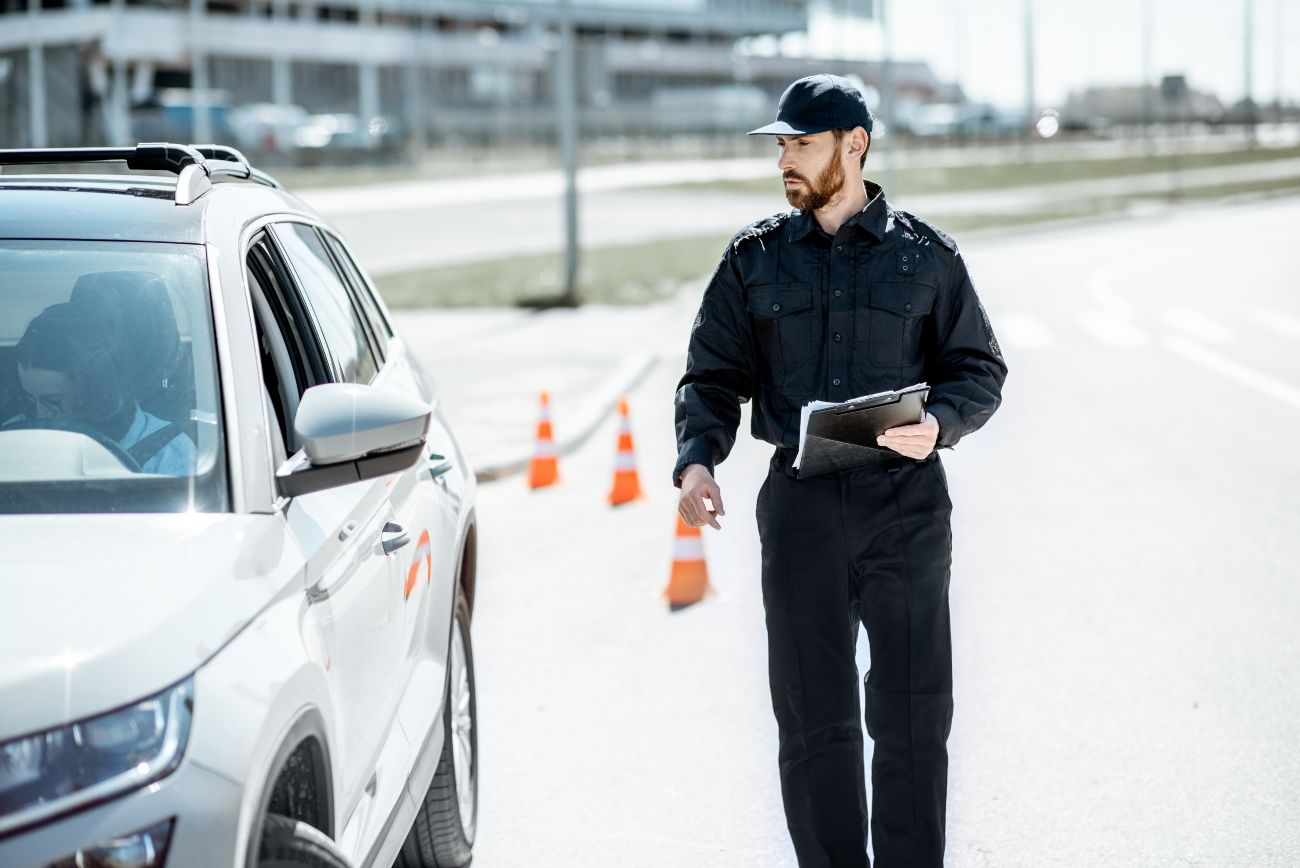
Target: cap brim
{"x":781,"y":128}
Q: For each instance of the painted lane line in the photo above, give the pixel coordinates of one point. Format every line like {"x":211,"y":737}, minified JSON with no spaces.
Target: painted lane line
{"x":1195,"y":324}
{"x":1112,"y":330}
{"x":1103,"y":293}
{"x":1233,"y":369}
{"x":1279,"y":322}
{"x":1023,"y":331}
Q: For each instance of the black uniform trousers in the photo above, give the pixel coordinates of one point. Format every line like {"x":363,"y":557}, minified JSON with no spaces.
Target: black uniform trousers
{"x":871,"y":545}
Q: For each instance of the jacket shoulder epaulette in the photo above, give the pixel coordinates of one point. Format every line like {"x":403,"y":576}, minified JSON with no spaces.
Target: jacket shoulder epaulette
{"x":922,"y":227}
{"x":757,"y":229}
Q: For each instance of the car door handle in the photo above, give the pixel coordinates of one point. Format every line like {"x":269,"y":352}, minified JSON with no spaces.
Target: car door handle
{"x":438,"y":465}
{"x":393,"y":537}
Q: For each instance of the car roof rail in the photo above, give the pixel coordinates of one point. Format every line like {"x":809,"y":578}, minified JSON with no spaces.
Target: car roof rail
{"x":244,"y":169}
{"x":190,"y":162}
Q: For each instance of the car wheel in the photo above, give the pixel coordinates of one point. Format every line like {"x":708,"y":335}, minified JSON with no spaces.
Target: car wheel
{"x":289,"y":843}
{"x":443,"y":833}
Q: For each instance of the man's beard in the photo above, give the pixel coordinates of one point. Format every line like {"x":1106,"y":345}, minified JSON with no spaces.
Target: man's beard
{"x":812,"y":195}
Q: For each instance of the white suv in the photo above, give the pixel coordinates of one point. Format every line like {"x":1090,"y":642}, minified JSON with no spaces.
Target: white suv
{"x":237,"y":539}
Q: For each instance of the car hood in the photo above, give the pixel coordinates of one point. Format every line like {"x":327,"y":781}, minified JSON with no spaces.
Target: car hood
{"x":99,"y":611}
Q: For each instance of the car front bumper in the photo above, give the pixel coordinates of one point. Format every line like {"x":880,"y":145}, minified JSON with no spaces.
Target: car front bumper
{"x":205,"y":806}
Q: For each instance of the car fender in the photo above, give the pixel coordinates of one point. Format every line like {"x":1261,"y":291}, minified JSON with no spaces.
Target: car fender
{"x":255,"y":702}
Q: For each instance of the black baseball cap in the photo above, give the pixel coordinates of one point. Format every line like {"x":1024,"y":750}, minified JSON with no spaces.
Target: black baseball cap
{"x":817,"y":103}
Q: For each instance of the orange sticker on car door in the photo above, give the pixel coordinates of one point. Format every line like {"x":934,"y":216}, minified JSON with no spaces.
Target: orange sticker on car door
{"x":422,"y":552}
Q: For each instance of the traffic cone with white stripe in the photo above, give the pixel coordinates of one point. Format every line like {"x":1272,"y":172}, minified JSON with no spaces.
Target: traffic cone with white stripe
{"x":544,"y":469}
{"x":627,"y":485}
{"x":689,"y":580}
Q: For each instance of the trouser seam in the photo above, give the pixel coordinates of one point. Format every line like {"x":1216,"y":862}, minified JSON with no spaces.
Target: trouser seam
{"x":911,"y":651}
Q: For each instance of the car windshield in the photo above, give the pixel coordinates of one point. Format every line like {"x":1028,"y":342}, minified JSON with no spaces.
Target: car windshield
{"x":108,"y":379}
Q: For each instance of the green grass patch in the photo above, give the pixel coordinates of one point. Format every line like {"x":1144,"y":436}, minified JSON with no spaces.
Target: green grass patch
{"x":631,"y":274}
{"x":918,"y":180}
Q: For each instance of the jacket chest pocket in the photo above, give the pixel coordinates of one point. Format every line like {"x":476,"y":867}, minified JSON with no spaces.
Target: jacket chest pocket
{"x":889,"y":327}
{"x":785,"y":323}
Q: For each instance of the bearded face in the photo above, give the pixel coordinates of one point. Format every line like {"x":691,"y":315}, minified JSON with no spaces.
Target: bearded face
{"x":815,"y":193}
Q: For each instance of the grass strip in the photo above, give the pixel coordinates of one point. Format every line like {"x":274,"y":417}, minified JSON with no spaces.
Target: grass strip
{"x":920,"y":180}
{"x":629,"y":274}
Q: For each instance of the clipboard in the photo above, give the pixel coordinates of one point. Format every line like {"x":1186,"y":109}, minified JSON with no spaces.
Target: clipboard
{"x":842,"y":436}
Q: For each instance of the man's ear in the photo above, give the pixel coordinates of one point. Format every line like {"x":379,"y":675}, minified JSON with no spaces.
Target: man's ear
{"x":858,"y":139}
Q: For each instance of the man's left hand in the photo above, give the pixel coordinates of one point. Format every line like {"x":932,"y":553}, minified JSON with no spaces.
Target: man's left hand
{"x":914,"y":441}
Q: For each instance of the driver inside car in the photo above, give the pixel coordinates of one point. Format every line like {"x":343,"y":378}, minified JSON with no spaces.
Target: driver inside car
{"x":69,"y":370}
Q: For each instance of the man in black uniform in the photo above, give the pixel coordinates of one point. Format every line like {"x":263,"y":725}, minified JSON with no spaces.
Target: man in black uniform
{"x":844,"y":297}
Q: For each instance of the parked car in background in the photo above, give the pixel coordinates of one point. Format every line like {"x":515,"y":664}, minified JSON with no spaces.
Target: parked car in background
{"x":338,"y":138}
{"x":237,"y":535}
{"x":267,"y":128}
{"x":169,"y":116}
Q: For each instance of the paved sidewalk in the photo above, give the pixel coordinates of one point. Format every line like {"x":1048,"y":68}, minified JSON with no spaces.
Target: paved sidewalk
{"x":491,"y":364}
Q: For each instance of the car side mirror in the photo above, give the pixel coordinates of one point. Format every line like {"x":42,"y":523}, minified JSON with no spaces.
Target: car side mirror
{"x":350,"y":432}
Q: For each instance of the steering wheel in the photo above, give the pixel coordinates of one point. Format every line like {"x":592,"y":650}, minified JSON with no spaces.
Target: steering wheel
{"x":123,"y":457}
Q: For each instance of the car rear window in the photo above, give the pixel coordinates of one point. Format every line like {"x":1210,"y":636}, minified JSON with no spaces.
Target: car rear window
{"x":108,"y":379}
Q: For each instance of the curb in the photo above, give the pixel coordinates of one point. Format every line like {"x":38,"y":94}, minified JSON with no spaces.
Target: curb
{"x":623,"y":380}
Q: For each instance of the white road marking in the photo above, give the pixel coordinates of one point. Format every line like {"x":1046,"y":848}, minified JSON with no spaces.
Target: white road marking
{"x":1103,"y":292}
{"x":1112,"y":330}
{"x":1233,"y":369}
{"x":1196,"y":324}
{"x":1279,"y":322}
{"x":1023,"y":331}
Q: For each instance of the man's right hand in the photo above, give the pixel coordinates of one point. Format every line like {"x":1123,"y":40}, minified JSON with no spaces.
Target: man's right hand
{"x":697,"y":485}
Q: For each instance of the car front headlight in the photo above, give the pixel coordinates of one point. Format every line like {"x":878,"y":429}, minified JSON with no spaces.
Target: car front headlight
{"x":51,"y":772}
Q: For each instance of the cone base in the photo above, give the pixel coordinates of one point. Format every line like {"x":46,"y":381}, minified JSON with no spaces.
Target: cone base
{"x":543,"y":472}
{"x":688,"y":584}
{"x":627,"y":488}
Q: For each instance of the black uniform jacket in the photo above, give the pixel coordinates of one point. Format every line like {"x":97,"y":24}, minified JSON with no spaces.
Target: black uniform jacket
{"x":792,"y":315}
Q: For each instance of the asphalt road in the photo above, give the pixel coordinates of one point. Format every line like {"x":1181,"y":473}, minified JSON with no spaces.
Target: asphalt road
{"x":1124,"y":592}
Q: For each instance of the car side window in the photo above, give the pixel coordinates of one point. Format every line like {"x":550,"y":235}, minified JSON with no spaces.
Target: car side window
{"x":331,"y":304}
{"x":369,"y":306}
{"x":291,"y":359}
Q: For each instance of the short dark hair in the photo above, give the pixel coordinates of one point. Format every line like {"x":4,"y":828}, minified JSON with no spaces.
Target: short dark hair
{"x":71,"y":339}
{"x":839,"y":137}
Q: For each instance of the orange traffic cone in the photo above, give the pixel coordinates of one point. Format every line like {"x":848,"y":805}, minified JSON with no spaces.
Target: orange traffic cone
{"x":544,"y":469}
{"x":627,"y":485}
{"x":689,"y":581}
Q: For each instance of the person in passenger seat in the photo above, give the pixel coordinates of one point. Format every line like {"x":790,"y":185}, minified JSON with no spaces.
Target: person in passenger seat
{"x":70,"y":371}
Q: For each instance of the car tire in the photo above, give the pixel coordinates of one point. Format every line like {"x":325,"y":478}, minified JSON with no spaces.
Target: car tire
{"x":290,"y":843}
{"x":442,"y":835}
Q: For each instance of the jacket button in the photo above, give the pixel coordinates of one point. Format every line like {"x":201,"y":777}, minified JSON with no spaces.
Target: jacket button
{"x":907,"y":306}
{"x":838,"y":293}
{"x":837,"y":337}
{"x":776,"y":307}
{"x":835,"y":382}
{"x":839,"y":248}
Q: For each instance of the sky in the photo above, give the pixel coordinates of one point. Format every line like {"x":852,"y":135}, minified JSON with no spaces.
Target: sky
{"x":1078,"y":42}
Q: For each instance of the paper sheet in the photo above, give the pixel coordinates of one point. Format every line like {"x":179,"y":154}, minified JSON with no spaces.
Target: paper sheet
{"x":806,"y":412}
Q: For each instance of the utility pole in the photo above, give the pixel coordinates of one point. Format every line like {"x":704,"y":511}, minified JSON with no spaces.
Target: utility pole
{"x":567,"y":100}
{"x":119,"y":101}
{"x":38,"y":130}
{"x":281,"y":71}
{"x":1249,"y":56}
{"x":1278,"y":61}
{"x":1148,"y":85}
{"x":887,"y":101}
{"x":199,"y":85}
{"x":1028,"y":130}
